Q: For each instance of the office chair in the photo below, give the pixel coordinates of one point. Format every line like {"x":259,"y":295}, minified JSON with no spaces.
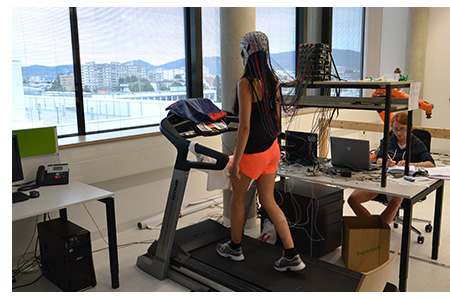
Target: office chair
{"x":425,"y":137}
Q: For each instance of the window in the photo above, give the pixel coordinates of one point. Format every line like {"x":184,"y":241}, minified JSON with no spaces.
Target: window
{"x":279,"y":26}
{"x":347,"y":41}
{"x":132,"y":64}
{"x":211,"y":53}
{"x":42,"y":69}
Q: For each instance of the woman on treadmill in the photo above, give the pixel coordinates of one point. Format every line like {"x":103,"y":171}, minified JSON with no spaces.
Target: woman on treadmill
{"x":396,"y":156}
{"x":257,"y":151}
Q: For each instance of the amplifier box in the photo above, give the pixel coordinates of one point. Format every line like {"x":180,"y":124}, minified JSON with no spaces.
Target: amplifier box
{"x":314,"y":214}
{"x":66,"y":255}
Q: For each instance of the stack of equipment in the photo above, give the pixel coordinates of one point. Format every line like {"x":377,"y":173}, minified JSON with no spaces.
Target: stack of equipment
{"x":314,"y":62}
{"x":314,"y":214}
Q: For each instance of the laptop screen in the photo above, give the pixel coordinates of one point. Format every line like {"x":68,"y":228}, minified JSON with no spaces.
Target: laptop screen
{"x":350,"y":153}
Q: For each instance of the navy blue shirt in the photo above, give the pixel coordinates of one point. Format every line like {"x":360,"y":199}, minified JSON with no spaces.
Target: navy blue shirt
{"x":419,"y":151}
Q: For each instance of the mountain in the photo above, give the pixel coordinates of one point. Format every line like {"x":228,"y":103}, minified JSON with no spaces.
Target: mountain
{"x":148,"y":66}
{"x":348,"y":58}
{"x":285,"y":60}
{"x":44,"y":72}
{"x":179,"y":63}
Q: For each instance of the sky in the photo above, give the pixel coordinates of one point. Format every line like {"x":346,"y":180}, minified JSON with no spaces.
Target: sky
{"x":106,"y":35}
{"x":120,"y":34}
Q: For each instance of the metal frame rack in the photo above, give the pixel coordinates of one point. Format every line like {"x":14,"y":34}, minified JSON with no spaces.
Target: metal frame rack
{"x":387,"y":103}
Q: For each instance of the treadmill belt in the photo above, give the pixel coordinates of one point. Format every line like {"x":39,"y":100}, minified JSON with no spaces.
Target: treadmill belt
{"x":257,"y":268}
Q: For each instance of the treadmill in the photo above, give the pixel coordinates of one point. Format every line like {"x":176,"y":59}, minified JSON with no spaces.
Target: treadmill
{"x":188,"y":255}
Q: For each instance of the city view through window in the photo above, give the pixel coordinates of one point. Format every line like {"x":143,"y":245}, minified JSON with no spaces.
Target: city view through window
{"x":132,"y":63}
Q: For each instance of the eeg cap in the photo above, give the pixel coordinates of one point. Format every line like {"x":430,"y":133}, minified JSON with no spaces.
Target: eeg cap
{"x":253,"y":42}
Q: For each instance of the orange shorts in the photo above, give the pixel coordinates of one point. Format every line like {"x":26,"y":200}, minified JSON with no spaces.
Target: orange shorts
{"x":255,"y":164}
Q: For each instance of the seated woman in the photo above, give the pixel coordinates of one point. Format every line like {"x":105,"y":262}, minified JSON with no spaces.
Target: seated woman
{"x":396,"y":153}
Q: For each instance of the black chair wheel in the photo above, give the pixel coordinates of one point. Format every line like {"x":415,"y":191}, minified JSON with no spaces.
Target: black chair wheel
{"x":420,"y":239}
{"x":428,"y":228}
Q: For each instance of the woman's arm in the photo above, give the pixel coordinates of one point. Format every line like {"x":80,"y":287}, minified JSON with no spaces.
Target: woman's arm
{"x":422,"y":158}
{"x":390,"y":162}
{"x":425,"y":164}
{"x":245,"y":108}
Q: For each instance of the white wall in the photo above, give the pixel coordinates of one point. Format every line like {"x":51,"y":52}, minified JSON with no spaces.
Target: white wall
{"x":391,"y":23}
{"x":138,"y":171}
{"x":394,"y":35}
{"x":436,"y":85}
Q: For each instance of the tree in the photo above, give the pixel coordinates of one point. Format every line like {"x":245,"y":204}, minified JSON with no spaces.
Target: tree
{"x":56,"y":85}
{"x":142,"y":85}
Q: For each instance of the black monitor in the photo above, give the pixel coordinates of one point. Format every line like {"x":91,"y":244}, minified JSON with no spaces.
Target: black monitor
{"x":17,"y":173}
{"x":307,"y":155}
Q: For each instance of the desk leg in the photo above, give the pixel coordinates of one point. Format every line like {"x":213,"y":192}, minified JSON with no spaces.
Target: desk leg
{"x":406,"y":240}
{"x":112,"y":241}
{"x":437,"y":222}
{"x":63,"y":213}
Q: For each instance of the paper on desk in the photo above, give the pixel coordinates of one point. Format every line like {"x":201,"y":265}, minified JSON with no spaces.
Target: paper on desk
{"x":439,"y":173}
{"x":436,"y":173}
{"x":401,"y":169}
{"x":413,"y":102}
{"x":418,"y":181}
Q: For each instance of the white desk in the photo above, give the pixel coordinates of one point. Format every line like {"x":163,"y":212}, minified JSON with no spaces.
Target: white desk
{"x":395,"y":187}
{"x":60,"y":197}
{"x":411,"y":194}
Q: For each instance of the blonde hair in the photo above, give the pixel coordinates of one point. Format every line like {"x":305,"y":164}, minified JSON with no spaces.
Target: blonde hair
{"x":401,"y":118}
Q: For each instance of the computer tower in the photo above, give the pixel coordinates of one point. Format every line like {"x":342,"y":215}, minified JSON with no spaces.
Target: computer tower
{"x":66,"y":255}
{"x":314,"y":213}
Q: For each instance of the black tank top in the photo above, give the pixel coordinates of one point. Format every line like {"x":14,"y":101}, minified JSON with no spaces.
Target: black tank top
{"x":259,"y":140}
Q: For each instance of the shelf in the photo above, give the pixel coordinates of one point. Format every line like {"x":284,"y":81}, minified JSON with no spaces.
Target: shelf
{"x":360,"y":84}
{"x":364,"y":103}
{"x":385,"y":103}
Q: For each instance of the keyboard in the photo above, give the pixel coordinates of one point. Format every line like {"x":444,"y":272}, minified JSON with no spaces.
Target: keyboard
{"x":19,"y":197}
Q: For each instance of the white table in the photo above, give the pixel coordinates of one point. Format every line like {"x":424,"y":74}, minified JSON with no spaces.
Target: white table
{"x":411,"y":193}
{"x":60,"y":197}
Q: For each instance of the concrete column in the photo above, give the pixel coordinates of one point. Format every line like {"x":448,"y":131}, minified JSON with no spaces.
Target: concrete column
{"x":372,"y":44}
{"x":416,"y":50}
{"x":234,"y":23}
{"x":313,"y":25}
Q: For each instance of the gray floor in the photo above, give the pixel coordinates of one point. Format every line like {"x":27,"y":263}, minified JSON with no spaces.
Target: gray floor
{"x":425,"y":274}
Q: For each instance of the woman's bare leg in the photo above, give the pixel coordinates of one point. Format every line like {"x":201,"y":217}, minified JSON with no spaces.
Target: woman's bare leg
{"x":357,"y":198}
{"x":237,"y":209}
{"x":390,"y":211}
{"x":265,"y":186}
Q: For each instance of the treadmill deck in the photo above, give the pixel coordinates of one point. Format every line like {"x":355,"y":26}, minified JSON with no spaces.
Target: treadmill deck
{"x":200,"y":240}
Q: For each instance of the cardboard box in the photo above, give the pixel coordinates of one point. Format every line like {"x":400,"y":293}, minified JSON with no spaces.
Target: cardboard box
{"x":366,"y":242}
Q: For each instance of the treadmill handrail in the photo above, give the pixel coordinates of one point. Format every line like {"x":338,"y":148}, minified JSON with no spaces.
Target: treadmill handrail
{"x":182,"y":145}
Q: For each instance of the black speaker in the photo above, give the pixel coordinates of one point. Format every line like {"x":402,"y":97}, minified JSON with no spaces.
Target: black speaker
{"x":66,"y":255}
{"x":314,"y":213}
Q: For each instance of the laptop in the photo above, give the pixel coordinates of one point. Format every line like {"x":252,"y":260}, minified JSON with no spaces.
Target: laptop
{"x":307,"y":155}
{"x":351,"y":153}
